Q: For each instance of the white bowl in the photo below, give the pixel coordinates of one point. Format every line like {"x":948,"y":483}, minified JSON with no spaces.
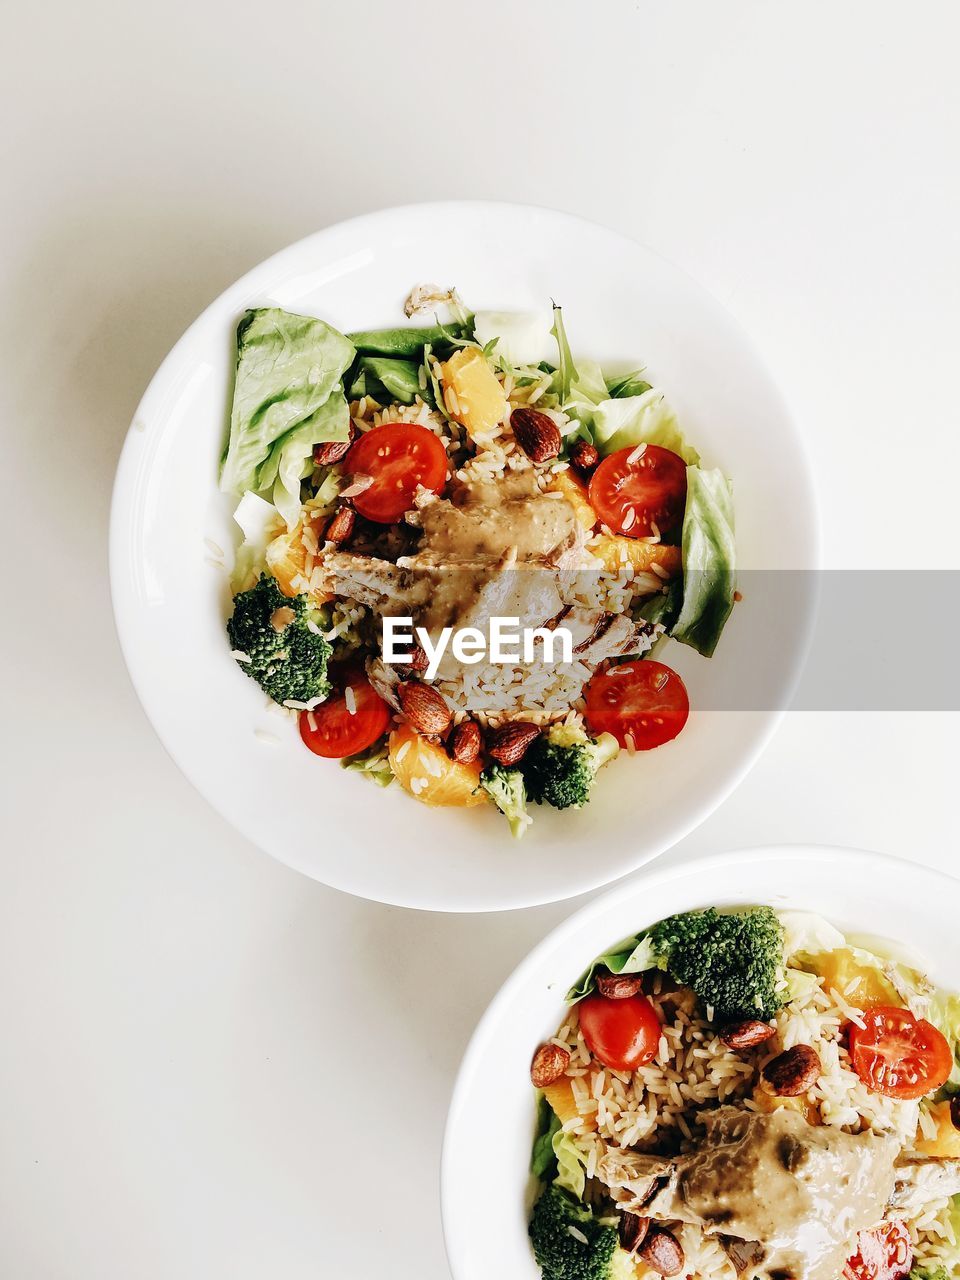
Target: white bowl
{"x":621,"y":303}
{"x":485,"y":1181}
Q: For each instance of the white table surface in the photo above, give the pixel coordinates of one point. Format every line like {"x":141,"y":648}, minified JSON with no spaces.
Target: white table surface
{"x":212,"y":1067}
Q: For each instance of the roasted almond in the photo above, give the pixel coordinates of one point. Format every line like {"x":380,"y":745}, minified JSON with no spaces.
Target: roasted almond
{"x":418,"y":658}
{"x":341,"y":527}
{"x":632,"y":1230}
{"x":661,"y":1252}
{"x":466,"y":742}
{"x":584,"y":457}
{"x":747,"y":1034}
{"x":794,"y":1071}
{"x":331,"y":452}
{"x":424,"y":707}
{"x":548,"y":1065}
{"x":509,"y":744}
{"x":619,"y":986}
{"x":536,"y":434}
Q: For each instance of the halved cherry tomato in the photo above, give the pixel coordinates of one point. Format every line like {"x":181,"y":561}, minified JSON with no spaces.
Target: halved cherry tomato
{"x":899,"y":1055}
{"x":334,"y":731}
{"x":630,"y":497}
{"x":885,"y":1253}
{"x":399,"y":456}
{"x":622,"y":1034}
{"x":641,"y":703}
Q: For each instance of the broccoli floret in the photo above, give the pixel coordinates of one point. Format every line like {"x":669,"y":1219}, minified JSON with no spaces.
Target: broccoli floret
{"x":561,"y":766}
{"x":569,"y":1243}
{"x":287,"y":659}
{"x":505,"y":788}
{"x":732,"y":960}
{"x":929,"y":1273}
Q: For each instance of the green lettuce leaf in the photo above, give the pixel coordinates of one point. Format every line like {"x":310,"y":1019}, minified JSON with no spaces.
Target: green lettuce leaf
{"x":709,"y":560}
{"x":555,"y":1155}
{"x":543,"y":1159}
{"x":389,"y":381}
{"x":645,"y":419}
{"x":945,"y":1016}
{"x":566,"y":369}
{"x":292,"y":457}
{"x":633,"y":955}
{"x":287,"y":368}
{"x":587,"y":390}
{"x":663,"y":607}
{"x":571,"y":1173}
{"x":627,"y":385}
{"x":409,"y":340}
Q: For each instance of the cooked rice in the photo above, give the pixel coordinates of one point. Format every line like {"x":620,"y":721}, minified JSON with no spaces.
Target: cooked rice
{"x":492,"y":694}
{"x":694,"y":1070}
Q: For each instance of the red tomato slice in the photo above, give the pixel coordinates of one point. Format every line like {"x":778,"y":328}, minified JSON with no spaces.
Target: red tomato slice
{"x":885,"y":1253}
{"x":334,"y":731}
{"x":643,"y":701}
{"x":400,"y":456}
{"x":633,"y":494}
{"x":622,"y":1034}
{"x":899,"y":1055}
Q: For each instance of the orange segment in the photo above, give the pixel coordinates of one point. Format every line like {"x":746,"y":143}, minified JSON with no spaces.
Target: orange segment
{"x":561,"y":1099}
{"x":575,"y":492}
{"x":860,"y":983}
{"x":425,"y":770}
{"x":616,"y":552}
{"x":287,"y":559}
{"x":946,"y":1145}
{"x":769,"y":1102}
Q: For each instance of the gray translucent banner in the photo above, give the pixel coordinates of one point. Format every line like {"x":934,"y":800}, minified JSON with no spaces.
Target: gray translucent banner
{"x":878,"y":640}
{"x":843,"y":640}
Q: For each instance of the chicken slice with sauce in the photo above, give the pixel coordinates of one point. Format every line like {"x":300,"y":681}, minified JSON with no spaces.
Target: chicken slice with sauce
{"x":494,"y":549}
{"x":787,"y":1198}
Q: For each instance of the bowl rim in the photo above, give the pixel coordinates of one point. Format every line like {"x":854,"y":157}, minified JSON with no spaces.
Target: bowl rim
{"x":123,"y":602}
{"x":594,"y":910}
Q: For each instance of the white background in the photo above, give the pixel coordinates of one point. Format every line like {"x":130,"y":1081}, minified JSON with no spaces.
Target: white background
{"x":210,"y":1066}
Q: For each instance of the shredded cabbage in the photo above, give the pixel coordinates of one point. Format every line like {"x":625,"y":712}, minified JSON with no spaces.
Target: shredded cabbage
{"x":521,"y":337}
{"x":806,"y":933}
{"x":644,"y":419}
{"x":259,"y":522}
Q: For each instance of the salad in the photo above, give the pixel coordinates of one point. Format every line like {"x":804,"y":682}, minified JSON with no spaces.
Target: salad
{"x":740,"y":1093}
{"x":461,"y":474}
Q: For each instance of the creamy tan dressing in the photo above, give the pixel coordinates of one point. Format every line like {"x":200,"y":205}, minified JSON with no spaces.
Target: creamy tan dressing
{"x":486,"y":521}
{"x":491,"y":546}
{"x":802,"y":1192}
